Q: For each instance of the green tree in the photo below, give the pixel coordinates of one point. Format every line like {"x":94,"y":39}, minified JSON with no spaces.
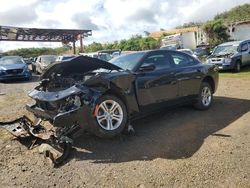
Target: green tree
{"x":95,"y":46}
{"x":216,"y":31}
{"x":34,"y":52}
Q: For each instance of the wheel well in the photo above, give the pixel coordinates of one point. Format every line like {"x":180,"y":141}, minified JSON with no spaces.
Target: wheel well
{"x":209,"y":80}
{"x":116,"y":92}
{"x":238,"y":60}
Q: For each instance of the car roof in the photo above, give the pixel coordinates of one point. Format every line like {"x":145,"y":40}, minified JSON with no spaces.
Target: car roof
{"x":46,"y":55}
{"x":185,"y":49}
{"x":230,"y":43}
{"x":148,"y":51}
{"x":12,"y":56}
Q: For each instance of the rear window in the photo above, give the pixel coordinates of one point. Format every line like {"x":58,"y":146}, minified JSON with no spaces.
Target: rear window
{"x":182,"y":60}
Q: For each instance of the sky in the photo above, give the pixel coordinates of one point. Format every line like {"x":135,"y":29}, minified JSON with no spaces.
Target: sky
{"x":109,"y":19}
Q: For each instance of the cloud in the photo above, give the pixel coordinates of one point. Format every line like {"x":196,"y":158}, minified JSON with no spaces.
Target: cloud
{"x":143,"y":15}
{"x":50,"y":23}
{"x":83,"y":20}
{"x":109,"y":19}
{"x":18,"y":16}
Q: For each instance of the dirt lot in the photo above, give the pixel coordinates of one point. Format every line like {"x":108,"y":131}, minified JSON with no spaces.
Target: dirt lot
{"x":180,"y":147}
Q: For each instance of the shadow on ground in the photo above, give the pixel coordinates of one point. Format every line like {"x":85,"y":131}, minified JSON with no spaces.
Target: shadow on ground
{"x":172,"y":134}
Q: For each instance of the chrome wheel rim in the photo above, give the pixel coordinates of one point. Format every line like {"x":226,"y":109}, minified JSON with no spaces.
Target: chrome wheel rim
{"x":206,"y":96}
{"x":109,"y":115}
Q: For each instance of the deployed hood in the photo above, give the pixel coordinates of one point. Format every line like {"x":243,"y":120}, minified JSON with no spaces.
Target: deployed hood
{"x":80,"y":64}
{"x":221,"y":55}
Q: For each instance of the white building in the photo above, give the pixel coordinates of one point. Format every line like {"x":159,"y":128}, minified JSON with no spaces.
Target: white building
{"x":239,"y":30}
{"x":184,"y":37}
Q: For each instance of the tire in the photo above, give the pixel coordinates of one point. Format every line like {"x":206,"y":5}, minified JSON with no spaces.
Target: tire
{"x":237,"y":66}
{"x":205,"y":98}
{"x":109,"y":122}
{"x":34,"y":69}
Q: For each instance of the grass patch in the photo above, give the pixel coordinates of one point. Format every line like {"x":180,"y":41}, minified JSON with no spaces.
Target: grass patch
{"x":245,"y":71}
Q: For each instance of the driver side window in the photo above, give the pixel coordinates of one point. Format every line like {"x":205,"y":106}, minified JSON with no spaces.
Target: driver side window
{"x":160,"y":61}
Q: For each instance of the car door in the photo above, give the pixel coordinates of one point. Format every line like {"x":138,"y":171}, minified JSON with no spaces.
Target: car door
{"x":158,"y":85}
{"x":245,"y":54}
{"x":188,"y":73}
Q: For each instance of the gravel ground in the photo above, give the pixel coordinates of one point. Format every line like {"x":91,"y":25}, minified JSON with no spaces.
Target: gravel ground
{"x":178,"y":147}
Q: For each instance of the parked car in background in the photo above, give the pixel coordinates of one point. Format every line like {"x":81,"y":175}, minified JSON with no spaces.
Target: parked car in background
{"x":231,"y":55}
{"x":201,"y":51}
{"x":116,"y":54}
{"x":102,"y":56}
{"x":33,"y":64}
{"x":28,"y":61}
{"x":188,"y":51}
{"x":169,"y":47}
{"x":64,"y":57}
{"x":43,"y":62}
{"x":13,"y":67}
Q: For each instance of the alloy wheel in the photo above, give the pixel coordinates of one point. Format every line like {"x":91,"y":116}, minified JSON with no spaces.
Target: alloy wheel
{"x":206,"y":96}
{"x":109,"y":115}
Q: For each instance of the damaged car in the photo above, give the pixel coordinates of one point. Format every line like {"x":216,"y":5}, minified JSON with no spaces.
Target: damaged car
{"x":231,"y":55}
{"x":88,"y":94}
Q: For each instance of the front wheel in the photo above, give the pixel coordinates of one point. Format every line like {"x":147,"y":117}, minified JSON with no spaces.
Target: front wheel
{"x":205,"y":97}
{"x":237,"y":67}
{"x":110,"y":116}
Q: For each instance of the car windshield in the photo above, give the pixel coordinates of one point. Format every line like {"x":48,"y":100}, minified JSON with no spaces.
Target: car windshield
{"x":48,"y":59}
{"x":128,"y":61}
{"x":229,"y":49}
{"x":11,"y":60}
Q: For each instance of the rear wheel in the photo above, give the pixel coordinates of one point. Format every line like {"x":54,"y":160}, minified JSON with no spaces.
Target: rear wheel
{"x":205,"y":97}
{"x":110,"y":116}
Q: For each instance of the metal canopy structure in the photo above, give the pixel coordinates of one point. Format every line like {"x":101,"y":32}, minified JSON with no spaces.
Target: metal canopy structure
{"x":8,"y":33}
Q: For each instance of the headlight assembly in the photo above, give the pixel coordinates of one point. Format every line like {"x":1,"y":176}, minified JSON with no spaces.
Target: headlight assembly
{"x":227,"y":60}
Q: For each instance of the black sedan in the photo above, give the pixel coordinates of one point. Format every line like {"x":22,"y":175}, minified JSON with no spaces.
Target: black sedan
{"x":85,"y":93}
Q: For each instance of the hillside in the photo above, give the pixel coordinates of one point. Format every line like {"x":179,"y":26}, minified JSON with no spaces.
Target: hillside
{"x":238,"y":13}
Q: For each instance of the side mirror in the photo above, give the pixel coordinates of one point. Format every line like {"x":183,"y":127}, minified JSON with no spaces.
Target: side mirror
{"x":147,"y":67}
{"x":244,"y":50}
{"x":244,"y":47}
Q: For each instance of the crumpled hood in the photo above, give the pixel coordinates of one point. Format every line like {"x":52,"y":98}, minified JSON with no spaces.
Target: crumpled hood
{"x":80,"y":64}
{"x":226,"y":55}
{"x":12,"y":66}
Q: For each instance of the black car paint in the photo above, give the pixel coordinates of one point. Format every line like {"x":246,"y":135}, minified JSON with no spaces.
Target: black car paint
{"x":140,"y":91}
{"x":170,"y":85}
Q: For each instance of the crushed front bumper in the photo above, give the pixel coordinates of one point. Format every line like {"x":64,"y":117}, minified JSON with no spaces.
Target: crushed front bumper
{"x":58,"y":145}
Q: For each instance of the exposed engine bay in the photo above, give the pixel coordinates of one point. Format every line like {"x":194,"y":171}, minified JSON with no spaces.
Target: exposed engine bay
{"x":66,"y":98}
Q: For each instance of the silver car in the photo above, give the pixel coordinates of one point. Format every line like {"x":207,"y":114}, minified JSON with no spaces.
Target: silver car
{"x":43,"y":62}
